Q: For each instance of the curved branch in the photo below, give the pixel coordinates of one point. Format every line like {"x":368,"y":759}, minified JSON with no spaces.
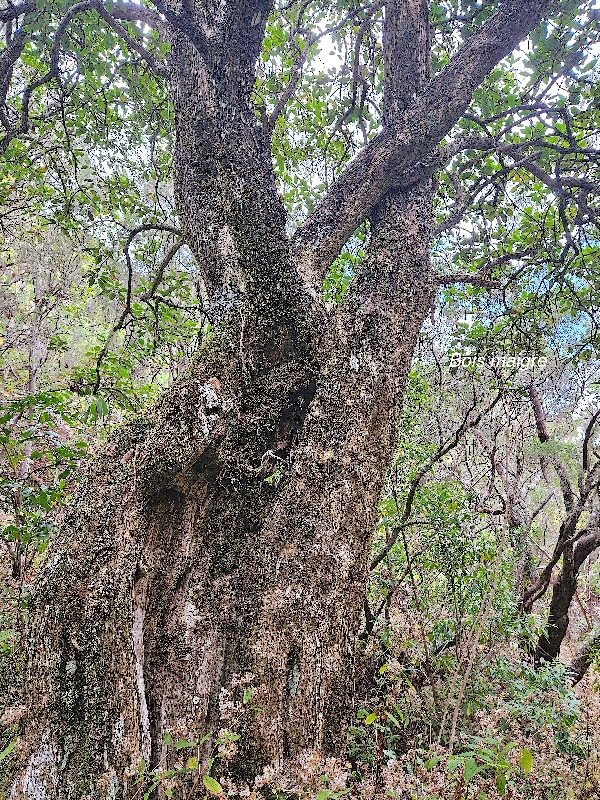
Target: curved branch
{"x":54,"y":71}
{"x":135,"y":45}
{"x":169,"y":256}
{"x":367,"y":178}
{"x":563,"y":592}
{"x":15,"y":11}
{"x":482,"y":278}
{"x":8,"y":59}
{"x":120,"y":322}
{"x":131,"y":12}
{"x":444,"y":448}
{"x":586,"y":439}
{"x":568,"y":537}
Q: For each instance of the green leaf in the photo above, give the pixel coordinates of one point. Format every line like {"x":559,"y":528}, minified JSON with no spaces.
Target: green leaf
{"x":526,"y":760}
{"x":454,"y":762}
{"x":371,"y":718}
{"x":501,"y":784}
{"x":192,"y":763}
{"x":247,"y":695}
{"x":181,"y":744}
{"x":213,"y":786}
{"x":8,"y":749}
{"x":151,"y":790}
{"x":471,"y":769}
{"x":394,"y":719}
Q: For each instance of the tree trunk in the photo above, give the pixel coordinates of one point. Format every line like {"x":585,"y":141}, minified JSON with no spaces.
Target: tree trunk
{"x":221,"y":540}
{"x":182,"y":567}
{"x":563,"y":592}
{"x":585,"y":656}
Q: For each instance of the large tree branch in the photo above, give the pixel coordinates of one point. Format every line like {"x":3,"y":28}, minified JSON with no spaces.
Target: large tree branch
{"x":585,"y":459}
{"x":563,"y":592}
{"x":367,"y":178}
{"x":569,"y":535}
{"x":186,"y":24}
{"x":538,"y":413}
{"x":131,"y":12}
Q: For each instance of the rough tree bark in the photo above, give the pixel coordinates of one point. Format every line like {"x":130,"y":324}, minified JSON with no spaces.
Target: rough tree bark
{"x":181,"y":566}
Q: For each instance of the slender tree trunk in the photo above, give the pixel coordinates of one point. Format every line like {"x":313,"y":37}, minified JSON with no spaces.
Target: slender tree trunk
{"x":585,"y":656}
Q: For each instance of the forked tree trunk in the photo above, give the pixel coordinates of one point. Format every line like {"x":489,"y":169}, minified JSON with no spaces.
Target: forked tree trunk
{"x":564,"y":589}
{"x":226,"y":532}
{"x":182,"y":567}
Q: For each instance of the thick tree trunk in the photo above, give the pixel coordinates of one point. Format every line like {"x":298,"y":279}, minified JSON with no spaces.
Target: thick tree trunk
{"x":222,"y":539}
{"x":183,"y":568}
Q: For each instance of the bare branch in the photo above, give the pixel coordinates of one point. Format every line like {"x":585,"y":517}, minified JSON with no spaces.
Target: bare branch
{"x":120,"y":322}
{"x":476,"y":279}
{"x":169,"y":256}
{"x":482,"y":278}
{"x":444,"y":448}
{"x":586,"y":439}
